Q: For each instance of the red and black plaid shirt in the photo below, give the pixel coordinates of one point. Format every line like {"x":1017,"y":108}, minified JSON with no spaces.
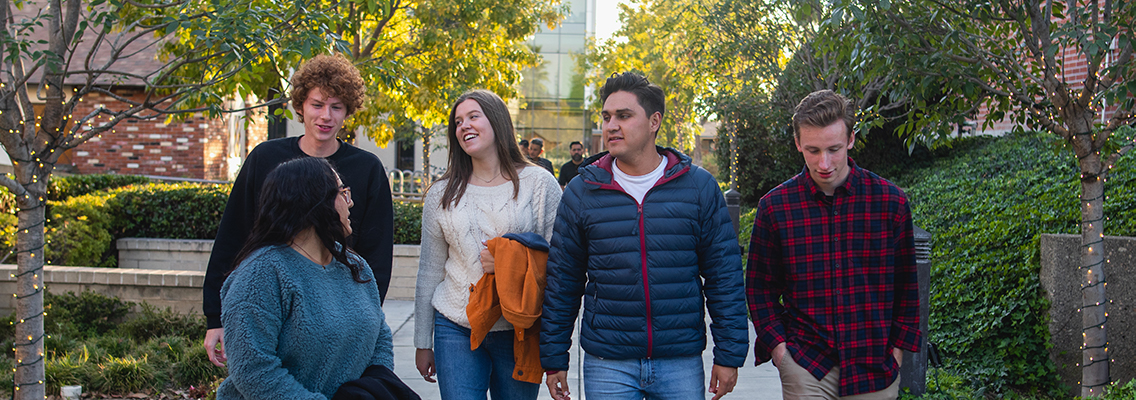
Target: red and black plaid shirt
{"x":834,"y":278}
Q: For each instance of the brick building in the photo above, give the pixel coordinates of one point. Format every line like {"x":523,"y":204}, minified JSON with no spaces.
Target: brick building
{"x":192,"y":147}
{"x":1074,"y":71}
{"x":196,"y":147}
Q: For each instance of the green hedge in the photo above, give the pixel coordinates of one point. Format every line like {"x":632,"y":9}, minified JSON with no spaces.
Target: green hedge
{"x":81,"y":230}
{"x":407,"y":223}
{"x":89,"y":212}
{"x":172,"y":211}
{"x":987,"y":203}
{"x":63,"y":188}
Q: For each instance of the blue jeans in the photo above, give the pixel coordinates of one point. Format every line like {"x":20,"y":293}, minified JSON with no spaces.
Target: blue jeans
{"x":677,"y":378}
{"x":465,"y":374}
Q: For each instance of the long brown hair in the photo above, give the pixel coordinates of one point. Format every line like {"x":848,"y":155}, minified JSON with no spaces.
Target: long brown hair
{"x":508,"y":153}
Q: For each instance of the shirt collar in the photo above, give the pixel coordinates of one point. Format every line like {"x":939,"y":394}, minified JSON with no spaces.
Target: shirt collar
{"x":849,"y":186}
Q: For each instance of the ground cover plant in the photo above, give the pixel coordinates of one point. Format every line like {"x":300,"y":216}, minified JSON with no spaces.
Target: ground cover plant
{"x":112,"y":347}
{"x":987,"y":204}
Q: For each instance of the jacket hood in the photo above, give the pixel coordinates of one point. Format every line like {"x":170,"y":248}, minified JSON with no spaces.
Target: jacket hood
{"x":596,"y":171}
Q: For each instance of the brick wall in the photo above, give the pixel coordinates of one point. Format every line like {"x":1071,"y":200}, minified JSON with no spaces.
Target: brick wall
{"x":1074,"y":69}
{"x":194,"y":148}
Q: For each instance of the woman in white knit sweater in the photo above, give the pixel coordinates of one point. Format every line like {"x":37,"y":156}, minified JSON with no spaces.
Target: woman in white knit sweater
{"x":489,"y":190}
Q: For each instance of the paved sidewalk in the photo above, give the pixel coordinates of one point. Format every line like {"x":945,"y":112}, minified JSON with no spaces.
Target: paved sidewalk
{"x":754,"y":383}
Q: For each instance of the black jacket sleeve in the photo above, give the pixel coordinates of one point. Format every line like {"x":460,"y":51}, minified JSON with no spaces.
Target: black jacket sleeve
{"x":374,"y":233}
{"x":234,"y":229}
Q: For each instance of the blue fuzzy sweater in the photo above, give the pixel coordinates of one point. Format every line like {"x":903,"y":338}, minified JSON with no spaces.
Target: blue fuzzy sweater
{"x":295,"y":329}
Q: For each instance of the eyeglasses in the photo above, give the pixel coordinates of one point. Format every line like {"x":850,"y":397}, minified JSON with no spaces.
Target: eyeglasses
{"x":346,"y":192}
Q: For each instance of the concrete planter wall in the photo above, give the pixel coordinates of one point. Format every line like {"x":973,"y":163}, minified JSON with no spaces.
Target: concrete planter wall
{"x":169,"y":273}
{"x":179,"y":290}
{"x":164,"y":254}
{"x":1060,"y":258}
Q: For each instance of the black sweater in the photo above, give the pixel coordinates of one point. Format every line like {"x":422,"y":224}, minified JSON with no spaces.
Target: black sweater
{"x":372,"y":218}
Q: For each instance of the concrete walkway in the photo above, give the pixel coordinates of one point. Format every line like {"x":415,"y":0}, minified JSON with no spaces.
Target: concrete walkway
{"x":754,"y":383}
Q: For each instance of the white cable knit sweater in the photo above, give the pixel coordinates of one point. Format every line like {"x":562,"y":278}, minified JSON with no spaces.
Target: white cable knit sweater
{"x":452,"y":242}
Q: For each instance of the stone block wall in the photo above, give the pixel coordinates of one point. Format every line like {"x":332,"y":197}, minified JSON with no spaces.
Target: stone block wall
{"x":1060,"y":258}
{"x":404,"y":272}
{"x":152,"y":276}
{"x":158,"y":254}
{"x":179,"y":290}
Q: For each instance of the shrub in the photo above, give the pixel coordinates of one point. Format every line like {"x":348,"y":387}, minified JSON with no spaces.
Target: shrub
{"x":78,"y":232}
{"x":107,"y":346}
{"x":87,"y":313}
{"x":8,"y":326}
{"x":70,"y":369}
{"x":407,"y":223}
{"x":766,"y":154}
{"x":986,"y":204}
{"x":745,"y":229}
{"x":152,"y":322}
{"x":125,"y":375}
{"x":7,"y":237}
{"x":63,"y":188}
{"x":164,"y":348}
{"x":172,"y":211}
{"x":195,"y":369}
{"x":1118,"y":392}
{"x":82,"y":230}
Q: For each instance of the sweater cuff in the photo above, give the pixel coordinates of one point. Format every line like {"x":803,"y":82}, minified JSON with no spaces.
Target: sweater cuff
{"x":213,"y":322}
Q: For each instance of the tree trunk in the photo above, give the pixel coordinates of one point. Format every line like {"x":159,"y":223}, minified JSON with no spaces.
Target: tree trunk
{"x":29,"y":296}
{"x":1094,"y":300}
{"x":426,"y":177}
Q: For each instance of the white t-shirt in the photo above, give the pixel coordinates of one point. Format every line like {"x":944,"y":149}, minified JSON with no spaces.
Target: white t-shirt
{"x":637,"y":186}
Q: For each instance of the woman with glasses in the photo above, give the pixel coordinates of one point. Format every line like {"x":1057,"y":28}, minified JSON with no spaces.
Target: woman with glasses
{"x":326,"y":90}
{"x":301,"y":310}
{"x":489,"y":190}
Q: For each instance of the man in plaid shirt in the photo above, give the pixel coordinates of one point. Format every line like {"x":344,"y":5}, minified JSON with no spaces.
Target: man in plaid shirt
{"x":831,"y":280}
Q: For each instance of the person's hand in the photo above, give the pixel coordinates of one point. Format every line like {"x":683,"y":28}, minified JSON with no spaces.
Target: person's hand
{"x":424,"y":360}
{"x":722,"y":380}
{"x":215,"y":346}
{"x":778,"y":354}
{"x":558,"y":385}
{"x":898,"y":354}
{"x":487,"y":261}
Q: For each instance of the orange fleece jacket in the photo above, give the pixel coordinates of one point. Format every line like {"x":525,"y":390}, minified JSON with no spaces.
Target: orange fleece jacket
{"x":515,"y":290}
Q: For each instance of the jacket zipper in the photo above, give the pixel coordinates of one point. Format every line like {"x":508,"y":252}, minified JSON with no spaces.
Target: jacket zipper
{"x":646,"y":285}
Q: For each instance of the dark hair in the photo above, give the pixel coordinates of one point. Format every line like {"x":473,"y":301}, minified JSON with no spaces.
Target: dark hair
{"x":822,"y":108}
{"x":523,"y":142}
{"x":508,"y":154}
{"x":297,"y":195}
{"x":575,"y":143}
{"x":650,"y":96}
{"x":335,"y":76}
{"x":537,"y":141}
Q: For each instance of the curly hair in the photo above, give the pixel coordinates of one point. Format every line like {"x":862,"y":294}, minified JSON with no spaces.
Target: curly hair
{"x":334,"y":75}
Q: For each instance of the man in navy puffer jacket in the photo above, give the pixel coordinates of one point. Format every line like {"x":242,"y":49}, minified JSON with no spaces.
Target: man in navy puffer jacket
{"x":645,"y":239}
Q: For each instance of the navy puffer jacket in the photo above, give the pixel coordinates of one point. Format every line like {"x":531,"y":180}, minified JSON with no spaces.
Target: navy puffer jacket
{"x":645,"y":271}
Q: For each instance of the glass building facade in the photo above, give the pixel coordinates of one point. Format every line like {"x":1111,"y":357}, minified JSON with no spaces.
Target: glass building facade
{"x":554,"y":92}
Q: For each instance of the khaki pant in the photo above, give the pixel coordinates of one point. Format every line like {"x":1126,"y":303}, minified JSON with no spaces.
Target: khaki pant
{"x":798,"y":384}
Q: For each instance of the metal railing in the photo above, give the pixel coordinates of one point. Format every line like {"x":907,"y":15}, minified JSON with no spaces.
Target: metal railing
{"x":408,"y":186}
